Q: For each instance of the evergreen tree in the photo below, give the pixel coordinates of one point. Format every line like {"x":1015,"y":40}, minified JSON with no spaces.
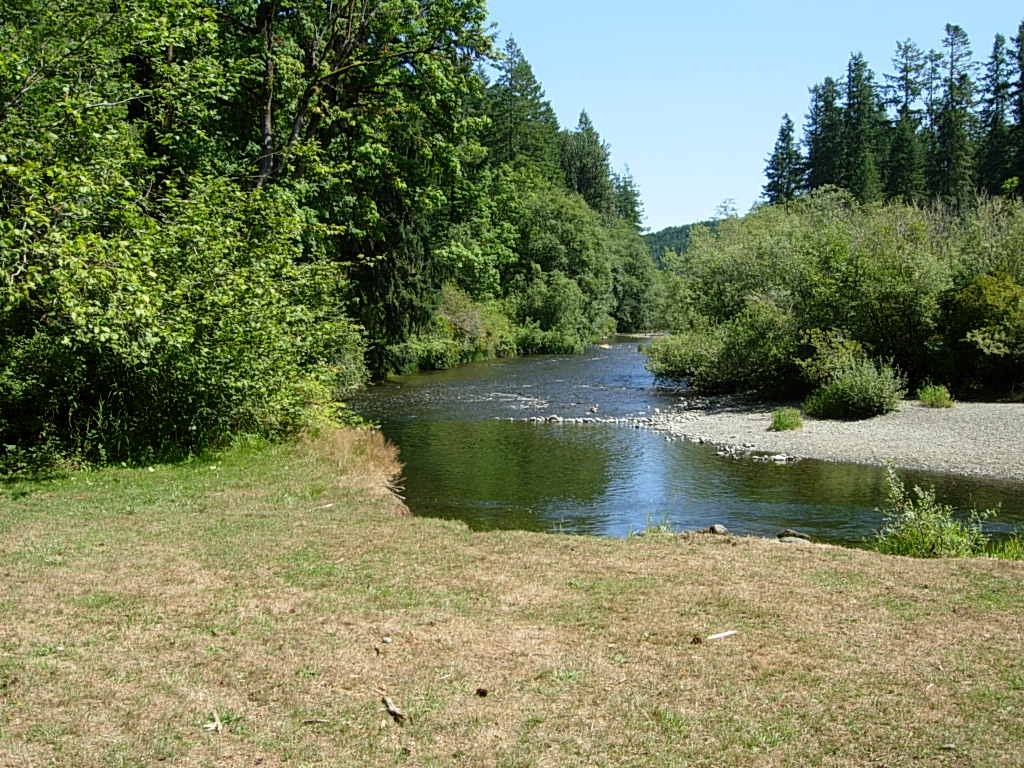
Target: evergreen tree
{"x":524,"y":129}
{"x":626,"y":199}
{"x":906,"y":85}
{"x":951,"y":165}
{"x":784,"y":170}
{"x":995,"y":159}
{"x":823,"y":136}
{"x":1017,"y":98}
{"x":905,"y":163}
{"x":863,"y":122}
{"x":585,"y":165}
{"x":905,"y":177}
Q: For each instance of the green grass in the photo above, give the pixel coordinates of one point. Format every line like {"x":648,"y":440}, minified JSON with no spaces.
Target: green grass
{"x":935,"y":396}
{"x":785,"y":419}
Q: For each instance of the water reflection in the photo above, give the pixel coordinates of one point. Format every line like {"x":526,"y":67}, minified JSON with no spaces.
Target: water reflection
{"x":465,"y":459}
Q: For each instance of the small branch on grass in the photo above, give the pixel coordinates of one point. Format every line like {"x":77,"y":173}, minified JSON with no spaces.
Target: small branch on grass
{"x":722,"y":635}
{"x":396,"y":714}
{"x":315,"y":721}
{"x":216,"y":726}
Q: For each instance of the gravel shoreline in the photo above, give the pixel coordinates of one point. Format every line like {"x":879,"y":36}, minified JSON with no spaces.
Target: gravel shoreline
{"x":974,"y":439}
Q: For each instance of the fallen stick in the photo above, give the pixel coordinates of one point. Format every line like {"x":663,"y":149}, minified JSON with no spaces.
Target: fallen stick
{"x":397,"y":715}
{"x":721,"y":635}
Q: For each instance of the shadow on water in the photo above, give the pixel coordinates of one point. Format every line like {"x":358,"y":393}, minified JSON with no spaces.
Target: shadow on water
{"x":469,"y":455}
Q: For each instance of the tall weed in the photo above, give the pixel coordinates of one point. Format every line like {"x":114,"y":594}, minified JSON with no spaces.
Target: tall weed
{"x":917,"y":525}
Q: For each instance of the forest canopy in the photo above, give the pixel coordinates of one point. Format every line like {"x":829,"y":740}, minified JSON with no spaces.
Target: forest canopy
{"x":217,"y":217}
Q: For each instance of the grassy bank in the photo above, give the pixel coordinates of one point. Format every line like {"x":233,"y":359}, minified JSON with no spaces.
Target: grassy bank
{"x":251,"y":609}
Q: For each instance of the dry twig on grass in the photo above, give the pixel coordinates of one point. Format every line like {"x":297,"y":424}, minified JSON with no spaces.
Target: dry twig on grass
{"x":396,"y":714}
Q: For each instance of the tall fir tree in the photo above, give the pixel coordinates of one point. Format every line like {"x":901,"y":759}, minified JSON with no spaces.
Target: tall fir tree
{"x":951,"y":164}
{"x":904,"y":177}
{"x":585,"y":165}
{"x":784,"y":170}
{"x":863,"y":122}
{"x":1017,"y":99}
{"x":627,"y":204}
{"x":823,"y":136}
{"x":995,"y":156}
{"x":905,"y":173}
{"x":524,"y":129}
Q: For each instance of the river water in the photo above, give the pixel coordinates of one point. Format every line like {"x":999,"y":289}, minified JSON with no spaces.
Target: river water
{"x":470,"y":455}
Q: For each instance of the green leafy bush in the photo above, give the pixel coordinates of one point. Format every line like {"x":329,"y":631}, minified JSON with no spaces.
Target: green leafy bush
{"x":753,"y":351}
{"x":858,"y":391}
{"x":784,"y":419}
{"x":833,"y":354}
{"x":917,"y":525}
{"x":693,"y":355}
{"x":935,"y":396}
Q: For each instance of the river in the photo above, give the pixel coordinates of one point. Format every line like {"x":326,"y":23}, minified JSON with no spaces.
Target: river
{"x":470,"y":453}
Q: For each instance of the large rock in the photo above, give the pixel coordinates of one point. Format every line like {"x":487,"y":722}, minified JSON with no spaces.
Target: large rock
{"x":719,"y":529}
{"x":790,"y":533}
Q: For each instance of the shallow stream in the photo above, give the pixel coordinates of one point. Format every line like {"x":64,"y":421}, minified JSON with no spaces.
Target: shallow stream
{"x":471,"y":453}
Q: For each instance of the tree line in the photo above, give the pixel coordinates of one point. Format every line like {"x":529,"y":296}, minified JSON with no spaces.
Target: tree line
{"x":940,"y":126}
{"x":218,"y":217}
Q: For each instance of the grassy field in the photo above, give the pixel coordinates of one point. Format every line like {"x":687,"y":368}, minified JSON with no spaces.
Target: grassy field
{"x":254,"y":609}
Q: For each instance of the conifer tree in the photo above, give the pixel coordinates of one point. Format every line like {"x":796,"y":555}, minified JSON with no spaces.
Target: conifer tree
{"x":951,"y":164}
{"x":863,"y":121}
{"x":905,"y":163}
{"x":524,"y":129}
{"x":627,"y":204}
{"x":585,"y":165}
{"x":995,"y":158}
{"x":905,"y":177}
{"x":1017,"y":98}
{"x":784,"y":170}
{"x":823,"y":136}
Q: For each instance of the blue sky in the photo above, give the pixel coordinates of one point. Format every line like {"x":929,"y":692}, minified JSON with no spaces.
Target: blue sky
{"x":690,"y":96}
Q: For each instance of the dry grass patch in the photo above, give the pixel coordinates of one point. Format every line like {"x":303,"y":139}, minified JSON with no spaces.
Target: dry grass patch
{"x":248,"y":610}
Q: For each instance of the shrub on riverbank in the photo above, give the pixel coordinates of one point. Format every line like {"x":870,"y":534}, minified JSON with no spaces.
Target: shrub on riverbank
{"x":784,"y":419}
{"x":858,"y":391}
{"x":935,"y":396}
{"x":918,"y":525}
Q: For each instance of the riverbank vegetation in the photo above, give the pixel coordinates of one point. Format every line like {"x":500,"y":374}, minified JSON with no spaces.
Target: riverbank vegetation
{"x":893,"y":233}
{"x":254,"y":606}
{"x":917,"y":524}
{"x":857,"y":301}
{"x":217,"y":218}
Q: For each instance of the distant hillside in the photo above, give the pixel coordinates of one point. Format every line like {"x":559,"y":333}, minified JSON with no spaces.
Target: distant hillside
{"x":674,"y":238}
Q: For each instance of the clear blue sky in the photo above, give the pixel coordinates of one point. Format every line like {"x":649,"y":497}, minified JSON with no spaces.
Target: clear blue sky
{"x":690,"y":95}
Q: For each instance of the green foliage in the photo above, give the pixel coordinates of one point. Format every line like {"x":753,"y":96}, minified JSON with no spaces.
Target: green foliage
{"x":833,"y":354}
{"x":784,"y":419}
{"x":751,"y":352}
{"x":859,"y":390}
{"x":676,"y":239}
{"x":785,"y":168}
{"x":174,"y":335}
{"x":464,"y":330}
{"x":935,"y":396}
{"x":692,"y":354}
{"x":213,"y":217}
{"x":934,"y":291}
{"x":917,"y":525}
{"x":1011,"y":548}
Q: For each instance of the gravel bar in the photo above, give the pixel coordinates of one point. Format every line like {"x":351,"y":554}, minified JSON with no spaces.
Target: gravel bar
{"x":975,"y":439}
